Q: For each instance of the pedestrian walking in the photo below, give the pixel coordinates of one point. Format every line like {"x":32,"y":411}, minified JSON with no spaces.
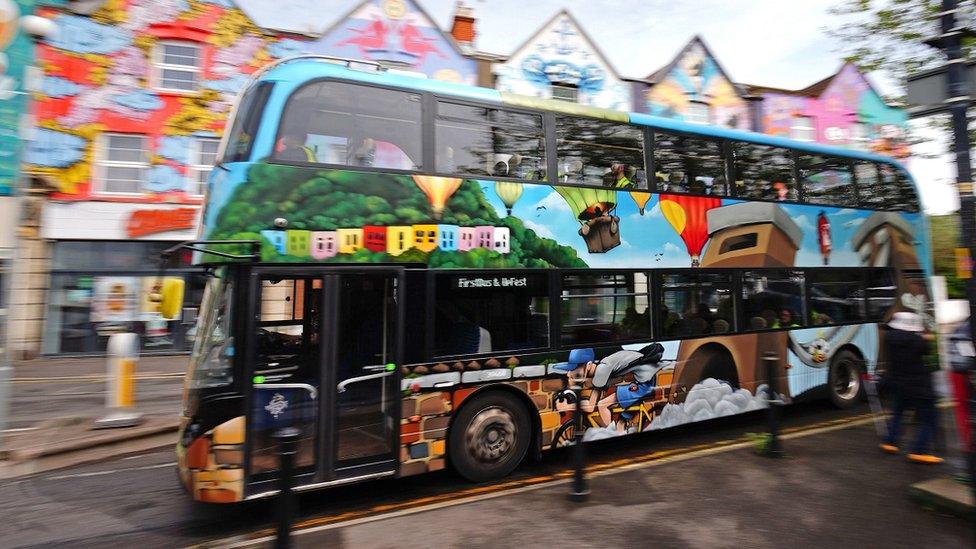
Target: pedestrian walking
{"x":910,"y":382}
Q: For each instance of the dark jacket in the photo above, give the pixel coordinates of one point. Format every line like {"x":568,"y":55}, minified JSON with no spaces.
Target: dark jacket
{"x":907,"y":372}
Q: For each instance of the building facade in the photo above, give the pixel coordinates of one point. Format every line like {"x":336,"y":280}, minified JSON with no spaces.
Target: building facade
{"x":133,"y":95}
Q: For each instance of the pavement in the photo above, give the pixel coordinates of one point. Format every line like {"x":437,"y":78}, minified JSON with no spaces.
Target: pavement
{"x":834,"y":488}
{"x":55,"y":402}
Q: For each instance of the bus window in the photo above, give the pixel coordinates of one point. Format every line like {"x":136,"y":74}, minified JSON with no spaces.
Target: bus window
{"x":474,"y":140}
{"x":689,"y":164}
{"x":490,"y":313}
{"x":339,"y":123}
{"x":899,"y":194}
{"x":836,"y":296}
{"x":763,"y":172}
{"x":213,"y":347}
{"x":772,"y":299}
{"x":872,"y":192}
{"x":600,"y":153}
{"x":826,"y":180}
{"x":881,"y":292}
{"x":599,"y":308}
{"x":695,"y":304}
{"x":287,"y":329}
{"x":246,"y":122}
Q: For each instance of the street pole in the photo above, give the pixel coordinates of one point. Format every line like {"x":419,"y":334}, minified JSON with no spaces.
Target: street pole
{"x":958,"y":99}
{"x":579,"y":492}
{"x":774,"y":449}
{"x":287,"y":439}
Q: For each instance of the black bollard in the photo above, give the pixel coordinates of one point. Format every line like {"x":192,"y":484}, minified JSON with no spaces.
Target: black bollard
{"x":770,"y":360}
{"x":287,"y":439}
{"x":580,"y":491}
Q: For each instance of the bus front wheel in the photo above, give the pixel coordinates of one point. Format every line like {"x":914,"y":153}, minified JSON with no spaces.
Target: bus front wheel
{"x":844,"y":382}
{"x":489,"y":437}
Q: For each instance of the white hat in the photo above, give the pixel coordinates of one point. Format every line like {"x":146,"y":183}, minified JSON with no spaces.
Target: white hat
{"x":909,"y":322}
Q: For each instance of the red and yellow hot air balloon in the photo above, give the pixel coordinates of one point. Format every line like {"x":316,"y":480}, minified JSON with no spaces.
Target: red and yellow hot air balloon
{"x":687,"y":215}
{"x":438,"y":190}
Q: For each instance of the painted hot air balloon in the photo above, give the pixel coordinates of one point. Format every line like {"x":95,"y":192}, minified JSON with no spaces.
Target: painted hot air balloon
{"x":509,"y":192}
{"x":641,"y":199}
{"x":594,"y":209}
{"x":438,"y":190}
{"x":686,"y":214}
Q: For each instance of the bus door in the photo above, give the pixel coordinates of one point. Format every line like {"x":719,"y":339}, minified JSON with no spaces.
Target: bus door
{"x":363,"y":372}
{"x":324,"y":360}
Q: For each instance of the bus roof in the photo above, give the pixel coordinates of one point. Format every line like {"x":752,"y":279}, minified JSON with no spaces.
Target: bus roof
{"x":301,"y":69}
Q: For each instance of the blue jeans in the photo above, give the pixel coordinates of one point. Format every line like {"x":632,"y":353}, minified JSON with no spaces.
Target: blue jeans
{"x":924,"y":413}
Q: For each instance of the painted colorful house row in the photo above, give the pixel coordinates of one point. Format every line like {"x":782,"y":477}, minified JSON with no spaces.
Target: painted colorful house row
{"x":391,"y":240}
{"x":132,"y":96}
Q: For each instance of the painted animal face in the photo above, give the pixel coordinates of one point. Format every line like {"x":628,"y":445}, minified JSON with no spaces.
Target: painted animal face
{"x":818,"y":350}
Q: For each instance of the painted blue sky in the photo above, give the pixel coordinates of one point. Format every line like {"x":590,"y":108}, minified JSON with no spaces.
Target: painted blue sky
{"x":644,"y":236}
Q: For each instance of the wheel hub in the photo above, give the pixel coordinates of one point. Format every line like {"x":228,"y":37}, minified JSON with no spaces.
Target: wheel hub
{"x":490,"y":435}
{"x":847,"y":381}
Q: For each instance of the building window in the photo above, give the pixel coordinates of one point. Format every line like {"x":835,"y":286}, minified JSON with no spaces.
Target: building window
{"x":859,"y":136}
{"x":697,"y":113}
{"x":204,"y":158}
{"x":123,"y":162}
{"x":803,"y":129}
{"x":565,"y":92}
{"x":176,"y":66}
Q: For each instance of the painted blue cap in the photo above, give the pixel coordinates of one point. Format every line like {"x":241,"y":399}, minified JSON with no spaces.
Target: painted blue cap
{"x":576,"y":358}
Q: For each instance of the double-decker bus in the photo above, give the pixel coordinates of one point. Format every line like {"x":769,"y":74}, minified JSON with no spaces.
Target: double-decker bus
{"x":423,"y":259}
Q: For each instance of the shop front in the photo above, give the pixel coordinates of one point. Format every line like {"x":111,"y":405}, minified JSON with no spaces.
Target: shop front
{"x":104,"y":264}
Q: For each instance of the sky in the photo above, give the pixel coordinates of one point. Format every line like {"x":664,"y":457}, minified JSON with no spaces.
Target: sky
{"x":765,"y":42}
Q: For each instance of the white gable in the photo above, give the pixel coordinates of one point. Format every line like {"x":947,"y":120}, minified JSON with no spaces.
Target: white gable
{"x":561,"y":53}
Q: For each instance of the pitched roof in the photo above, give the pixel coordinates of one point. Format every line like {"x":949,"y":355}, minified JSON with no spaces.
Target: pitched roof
{"x":565,"y":12}
{"x":813,"y":90}
{"x":661,"y":73}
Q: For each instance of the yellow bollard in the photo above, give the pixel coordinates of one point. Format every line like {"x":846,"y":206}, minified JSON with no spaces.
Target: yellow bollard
{"x":123,"y":354}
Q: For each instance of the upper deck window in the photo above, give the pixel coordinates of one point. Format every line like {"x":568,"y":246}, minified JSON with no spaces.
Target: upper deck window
{"x":599,"y":152}
{"x":873,"y":193}
{"x":687,"y":164}
{"x":247,"y":119}
{"x":899,"y":192}
{"x":474,"y":140}
{"x":826,"y":180}
{"x":351,"y":125}
{"x":763,"y":172}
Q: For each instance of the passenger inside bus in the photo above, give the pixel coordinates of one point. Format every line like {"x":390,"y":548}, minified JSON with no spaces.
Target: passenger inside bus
{"x":292,"y":147}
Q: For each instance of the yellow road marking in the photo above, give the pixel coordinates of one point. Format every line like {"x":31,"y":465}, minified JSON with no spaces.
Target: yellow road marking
{"x":479,"y":493}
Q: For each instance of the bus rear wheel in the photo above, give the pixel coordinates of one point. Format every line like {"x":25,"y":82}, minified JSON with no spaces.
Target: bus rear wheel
{"x":844,"y":381}
{"x":489,"y":437}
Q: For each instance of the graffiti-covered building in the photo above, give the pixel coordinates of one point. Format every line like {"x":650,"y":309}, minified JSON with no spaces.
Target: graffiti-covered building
{"x":132,"y":97}
{"x":841,"y":110}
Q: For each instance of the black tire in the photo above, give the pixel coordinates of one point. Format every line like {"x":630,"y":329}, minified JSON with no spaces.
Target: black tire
{"x":564,"y":434}
{"x":844,"y":380}
{"x":489,"y":437}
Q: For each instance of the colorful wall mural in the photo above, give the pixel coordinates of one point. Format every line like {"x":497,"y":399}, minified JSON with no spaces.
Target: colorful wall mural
{"x":561,"y":53}
{"x":847,"y":101}
{"x":101,"y":74}
{"x":400,"y":34}
{"x":16,"y":52}
{"x":695,"y":76}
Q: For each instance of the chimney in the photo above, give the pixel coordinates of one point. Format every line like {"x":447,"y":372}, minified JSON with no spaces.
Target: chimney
{"x":463,"y":27}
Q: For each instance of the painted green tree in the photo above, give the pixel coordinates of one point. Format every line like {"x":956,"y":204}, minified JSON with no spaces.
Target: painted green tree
{"x":324,"y":200}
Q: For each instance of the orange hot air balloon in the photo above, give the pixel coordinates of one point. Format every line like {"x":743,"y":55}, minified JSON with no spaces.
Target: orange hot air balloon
{"x":438,"y":190}
{"x":687,"y":215}
{"x":641,"y":199}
